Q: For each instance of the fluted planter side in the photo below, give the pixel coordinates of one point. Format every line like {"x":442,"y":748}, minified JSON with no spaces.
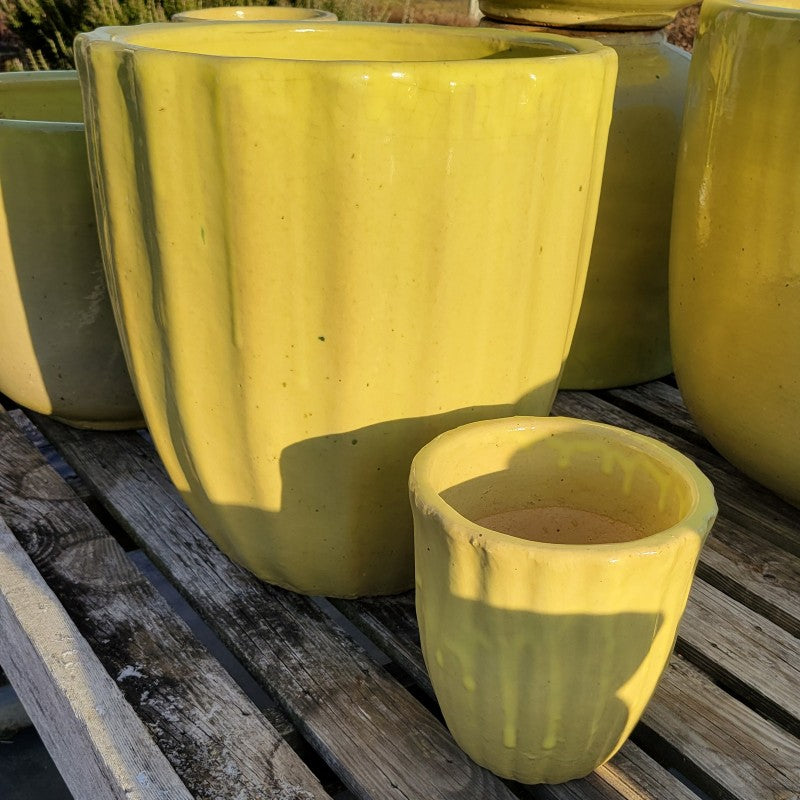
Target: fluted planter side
{"x":543,"y":656}
{"x":735,"y":261}
{"x":307,"y":285}
{"x":59,"y":349}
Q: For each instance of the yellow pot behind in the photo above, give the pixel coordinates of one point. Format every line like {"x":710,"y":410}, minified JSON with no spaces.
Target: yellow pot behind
{"x":324,"y":258}
{"x":59,"y":349}
{"x":735,"y":257}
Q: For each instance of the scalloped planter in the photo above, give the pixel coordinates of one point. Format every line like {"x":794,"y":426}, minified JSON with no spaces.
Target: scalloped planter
{"x":307,"y":287}
{"x":543,"y":654}
{"x":254,"y":14}
{"x":735,"y":260}
{"x":602,"y":14}
{"x":59,"y":349}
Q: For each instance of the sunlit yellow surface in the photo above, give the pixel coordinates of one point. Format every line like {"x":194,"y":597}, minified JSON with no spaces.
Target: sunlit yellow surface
{"x":59,"y":349}
{"x":252,"y":14}
{"x":735,"y":262}
{"x":543,"y":656}
{"x":330,"y":243}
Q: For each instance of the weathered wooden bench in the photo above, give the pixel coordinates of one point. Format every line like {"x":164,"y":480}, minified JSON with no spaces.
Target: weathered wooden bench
{"x":131,"y":705}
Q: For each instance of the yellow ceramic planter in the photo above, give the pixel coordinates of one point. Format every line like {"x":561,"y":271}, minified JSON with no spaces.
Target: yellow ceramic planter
{"x":307,"y":285}
{"x":543,"y":654}
{"x":622,"y":334}
{"x":253,"y":14}
{"x":602,"y":14}
{"x":735,"y":262}
{"x":59,"y":349}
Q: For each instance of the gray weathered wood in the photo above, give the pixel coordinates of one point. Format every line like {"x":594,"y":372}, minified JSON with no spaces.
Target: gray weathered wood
{"x":381,"y":742}
{"x":718,"y":742}
{"x":215,"y":738}
{"x":99,"y":745}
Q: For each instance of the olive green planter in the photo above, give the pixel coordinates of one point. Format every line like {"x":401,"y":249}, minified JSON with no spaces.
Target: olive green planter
{"x":554,"y":560}
{"x":308,"y":286}
{"x":735,"y":258}
{"x":59,"y":349}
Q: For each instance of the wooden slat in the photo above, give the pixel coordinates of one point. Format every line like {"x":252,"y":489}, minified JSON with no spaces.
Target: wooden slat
{"x":748,"y":745}
{"x":381,"y":742}
{"x":215,"y":738}
{"x":754,"y":657}
{"x":719,"y":743}
{"x":99,"y":745}
{"x":736,"y":558}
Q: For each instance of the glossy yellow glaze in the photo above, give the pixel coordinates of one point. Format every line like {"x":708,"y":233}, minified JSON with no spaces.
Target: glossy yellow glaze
{"x":622,"y":335}
{"x":735,"y":262}
{"x":59,"y":349}
{"x":602,"y":14}
{"x":253,"y":14}
{"x":307,"y":282}
{"x":543,"y":656}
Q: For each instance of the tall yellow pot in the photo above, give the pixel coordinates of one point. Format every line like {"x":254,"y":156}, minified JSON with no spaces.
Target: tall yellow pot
{"x":601,"y":14}
{"x":554,"y":560}
{"x":254,"y":14}
{"x":735,"y":261}
{"x":304,"y":268}
{"x":59,"y":349}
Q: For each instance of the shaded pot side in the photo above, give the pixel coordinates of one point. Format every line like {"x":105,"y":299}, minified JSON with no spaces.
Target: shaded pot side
{"x":735,"y":262}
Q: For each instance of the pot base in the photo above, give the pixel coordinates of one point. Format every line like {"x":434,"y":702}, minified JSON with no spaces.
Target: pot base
{"x":102,"y":425}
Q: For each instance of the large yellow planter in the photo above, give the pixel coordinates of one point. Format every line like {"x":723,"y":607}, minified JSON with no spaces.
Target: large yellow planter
{"x":545,"y":641}
{"x":304,"y":273}
{"x":735,"y":262}
{"x":59,"y":349}
{"x":253,"y":14}
{"x":602,"y":14}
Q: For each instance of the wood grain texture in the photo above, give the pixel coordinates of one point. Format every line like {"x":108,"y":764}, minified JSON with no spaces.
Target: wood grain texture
{"x":216,"y":739}
{"x":99,"y":745}
{"x":380,"y":741}
{"x":718,"y":742}
{"x":746,"y":554}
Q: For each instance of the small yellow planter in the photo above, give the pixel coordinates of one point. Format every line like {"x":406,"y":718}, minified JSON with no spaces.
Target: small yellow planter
{"x":303,"y":269}
{"x":735,"y":259}
{"x":254,"y":14}
{"x":543,"y":654}
{"x":602,"y":14}
{"x":59,"y":349}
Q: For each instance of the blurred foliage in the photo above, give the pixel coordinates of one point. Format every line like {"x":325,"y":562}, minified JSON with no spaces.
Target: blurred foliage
{"x":44,"y":29}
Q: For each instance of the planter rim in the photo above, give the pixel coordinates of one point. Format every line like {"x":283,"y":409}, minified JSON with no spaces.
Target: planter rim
{"x":775,"y":8}
{"x":125,"y":37}
{"x":44,"y":76}
{"x":241,"y":14}
{"x":697,"y":520}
